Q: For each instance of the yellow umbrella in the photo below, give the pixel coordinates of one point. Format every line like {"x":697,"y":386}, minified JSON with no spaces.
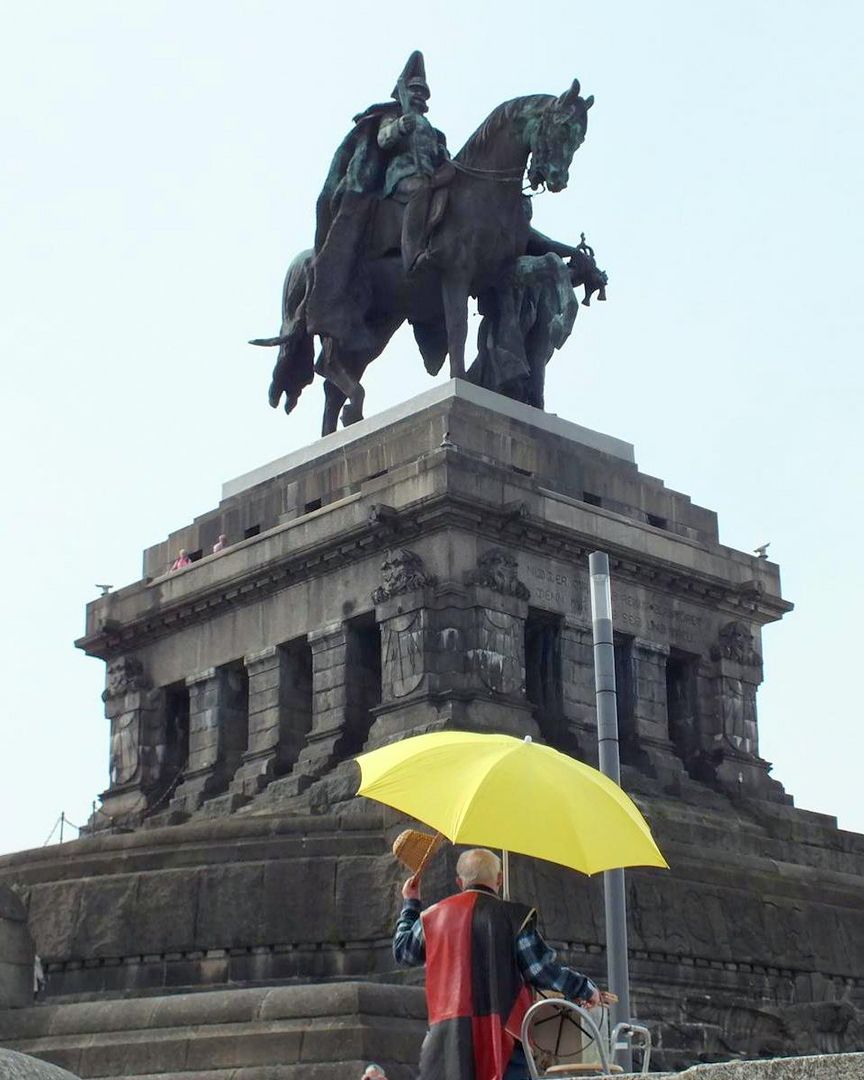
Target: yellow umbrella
{"x":498,"y":791}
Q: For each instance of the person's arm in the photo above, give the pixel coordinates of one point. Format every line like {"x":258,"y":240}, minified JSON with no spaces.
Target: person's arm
{"x":540,"y":968}
{"x":390,"y":132}
{"x":409,"y":946}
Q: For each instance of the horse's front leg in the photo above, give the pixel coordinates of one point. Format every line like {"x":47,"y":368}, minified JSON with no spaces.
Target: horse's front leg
{"x":454,"y":293}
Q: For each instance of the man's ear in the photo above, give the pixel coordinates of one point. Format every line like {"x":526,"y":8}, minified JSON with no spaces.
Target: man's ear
{"x":459,"y":882}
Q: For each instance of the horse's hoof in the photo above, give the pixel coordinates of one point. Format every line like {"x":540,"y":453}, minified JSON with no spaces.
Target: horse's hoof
{"x":350,"y":415}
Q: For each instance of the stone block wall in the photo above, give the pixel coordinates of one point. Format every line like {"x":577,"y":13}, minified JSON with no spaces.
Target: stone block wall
{"x":16,"y":953}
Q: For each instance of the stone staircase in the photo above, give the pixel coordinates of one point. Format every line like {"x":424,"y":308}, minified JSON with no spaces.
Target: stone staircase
{"x":320,"y":1032}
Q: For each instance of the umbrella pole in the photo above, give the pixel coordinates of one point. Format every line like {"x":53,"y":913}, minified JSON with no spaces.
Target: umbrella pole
{"x":505,"y":873}
{"x":614,"y":896}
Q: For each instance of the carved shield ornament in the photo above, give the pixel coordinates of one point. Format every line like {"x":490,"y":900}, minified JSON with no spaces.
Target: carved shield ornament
{"x":402,"y":648}
{"x":124,"y":747}
{"x":497,"y":658}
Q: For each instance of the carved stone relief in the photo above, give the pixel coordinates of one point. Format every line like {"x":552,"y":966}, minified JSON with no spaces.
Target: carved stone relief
{"x":497,"y":659}
{"x":126,"y":701}
{"x":402,"y":571}
{"x":497,"y":569}
{"x":124,"y":674}
{"x":738,"y":714}
{"x":402,"y":650}
{"x":124,"y":746}
{"x":735,"y":642}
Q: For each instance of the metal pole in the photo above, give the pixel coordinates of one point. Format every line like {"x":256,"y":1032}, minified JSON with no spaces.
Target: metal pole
{"x":505,"y":873}
{"x":62,"y":823}
{"x":615,"y":899}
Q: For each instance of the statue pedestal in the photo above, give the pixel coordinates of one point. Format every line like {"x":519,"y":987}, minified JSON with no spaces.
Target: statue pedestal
{"x":396,"y":581}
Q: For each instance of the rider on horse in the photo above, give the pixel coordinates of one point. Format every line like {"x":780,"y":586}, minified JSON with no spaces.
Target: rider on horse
{"x":378,"y":199}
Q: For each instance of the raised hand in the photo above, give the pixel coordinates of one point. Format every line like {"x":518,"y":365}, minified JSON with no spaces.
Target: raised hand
{"x":411,"y":888}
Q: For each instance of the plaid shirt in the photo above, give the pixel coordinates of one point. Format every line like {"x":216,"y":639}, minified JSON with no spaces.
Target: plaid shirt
{"x":535,"y":958}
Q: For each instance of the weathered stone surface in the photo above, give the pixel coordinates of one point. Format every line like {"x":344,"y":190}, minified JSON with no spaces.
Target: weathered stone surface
{"x":326,"y":901}
{"x":835,"y":1067}
{"x":296,"y":900}
{"x":259,"y":1032}
{"x":16,"y":953}
{"x":174,"y":891}
{"x":15,"y":1066}
{"x":16,"y":946}
{"x":753,"y":942}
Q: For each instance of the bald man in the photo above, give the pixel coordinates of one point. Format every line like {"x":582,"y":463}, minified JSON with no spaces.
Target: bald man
{"x":481,"y":954}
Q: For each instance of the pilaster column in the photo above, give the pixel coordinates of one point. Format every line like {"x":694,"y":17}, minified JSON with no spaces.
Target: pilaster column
{"x":453,"y":655}
{"x":136,"y":748}
{"x":579,"y":700}
{"x":730,"y":736}
{"x":280,"y":714}
{"x":650,"y":715}
{"x":651,"y":746}
{"x":218,"y":721}
{"x":335,"y":719}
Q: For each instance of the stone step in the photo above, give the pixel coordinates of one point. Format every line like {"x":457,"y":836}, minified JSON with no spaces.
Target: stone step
{"x":343,"y":1070}
{"x":329,"y":1031}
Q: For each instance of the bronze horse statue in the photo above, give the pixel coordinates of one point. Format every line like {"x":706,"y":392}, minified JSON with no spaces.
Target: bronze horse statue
{"x":485,"y":226}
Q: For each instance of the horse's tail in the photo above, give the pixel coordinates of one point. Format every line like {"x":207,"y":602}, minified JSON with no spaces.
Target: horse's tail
{"x":294,"y":364}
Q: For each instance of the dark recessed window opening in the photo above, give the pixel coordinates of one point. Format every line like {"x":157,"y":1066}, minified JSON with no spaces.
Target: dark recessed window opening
{"x":522,"y":472}
{"x":625,"y":692}
{"x":657,"y":521}
{"x":592,"y":499}
{"x":681,"y":704}
{"x":543,"y":684}
{"x":235,"y":714}
{"x":363,"y":678}
{"x":253,"y":530}
{"x":176,"y":731}
{"x":375,"y":475}
{"x":295,"y":700}
{"x":194,"y":556}
{"x":313,"y":504}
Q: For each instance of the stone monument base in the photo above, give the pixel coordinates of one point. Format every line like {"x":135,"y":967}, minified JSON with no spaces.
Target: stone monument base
{"x":426,"y":568}
{"x":324,"y":1032}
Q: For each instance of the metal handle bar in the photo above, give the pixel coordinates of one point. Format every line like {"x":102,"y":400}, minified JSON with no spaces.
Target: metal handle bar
{"x":627,"y":1031}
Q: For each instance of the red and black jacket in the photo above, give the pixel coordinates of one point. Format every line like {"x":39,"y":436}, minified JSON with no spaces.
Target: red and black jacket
{"x":475,"y":992}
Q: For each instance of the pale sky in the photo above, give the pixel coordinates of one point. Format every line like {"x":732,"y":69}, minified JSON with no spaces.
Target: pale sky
{"x":160,"y":167}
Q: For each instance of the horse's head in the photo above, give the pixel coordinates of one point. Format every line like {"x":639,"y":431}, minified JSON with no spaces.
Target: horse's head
{"x":558,"y":135}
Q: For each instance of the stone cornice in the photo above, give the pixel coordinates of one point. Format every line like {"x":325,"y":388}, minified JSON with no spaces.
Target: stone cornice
{"x":512,"y":523}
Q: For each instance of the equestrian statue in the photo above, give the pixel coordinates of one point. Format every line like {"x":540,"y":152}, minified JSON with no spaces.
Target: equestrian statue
{"x":404,"y":231}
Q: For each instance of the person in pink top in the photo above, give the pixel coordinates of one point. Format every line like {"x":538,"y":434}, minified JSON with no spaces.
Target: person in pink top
{"x":181,"y":560}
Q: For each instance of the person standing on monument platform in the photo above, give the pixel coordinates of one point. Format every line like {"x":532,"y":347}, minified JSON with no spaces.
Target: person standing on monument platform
{"x":482,"y":954}
{"x":182,"y":561}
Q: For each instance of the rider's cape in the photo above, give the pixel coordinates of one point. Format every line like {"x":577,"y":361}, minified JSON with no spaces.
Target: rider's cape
{"x":358,"y":166}
{"x":475,"y":992}
{"x":339,"y":293}
{"x":338,"y":296}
